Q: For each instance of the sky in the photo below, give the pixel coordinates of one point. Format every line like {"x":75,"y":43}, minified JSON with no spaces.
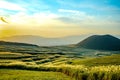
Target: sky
{"x":58,"y":18}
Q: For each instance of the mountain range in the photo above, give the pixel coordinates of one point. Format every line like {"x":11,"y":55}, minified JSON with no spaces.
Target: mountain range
{"x":42,"y":41}
{"x":97,"y":42}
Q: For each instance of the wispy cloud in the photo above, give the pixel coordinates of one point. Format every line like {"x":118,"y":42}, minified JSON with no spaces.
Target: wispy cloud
{"x":74,"y":16}
{"x":69,"y":11}
{"x":10,"y":6}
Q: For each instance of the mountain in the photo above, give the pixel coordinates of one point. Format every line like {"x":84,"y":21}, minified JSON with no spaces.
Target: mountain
{"x":41,"y":41}
{"x":4,"y":43}
{"x":100,"y":42}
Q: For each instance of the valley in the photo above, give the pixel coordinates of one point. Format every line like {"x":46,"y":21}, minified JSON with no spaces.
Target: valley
{"x":75,"y":62}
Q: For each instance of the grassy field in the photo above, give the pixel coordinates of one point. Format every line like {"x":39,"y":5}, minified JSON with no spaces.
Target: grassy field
{"x":9,"y":74}
{"x":99,"y":61}
{"x":78,"y":72}
{"x":57,"y":63}
{"x":57,"y":59}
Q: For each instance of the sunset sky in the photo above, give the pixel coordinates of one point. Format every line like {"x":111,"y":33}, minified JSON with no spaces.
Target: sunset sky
{"x":58,"y":18}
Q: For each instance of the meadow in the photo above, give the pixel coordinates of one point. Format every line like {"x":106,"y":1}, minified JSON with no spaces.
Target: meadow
{"x":69,"y":63}
{"x":77,"y":72}
{"x":105,"y":60}
{"x":10,"y":74}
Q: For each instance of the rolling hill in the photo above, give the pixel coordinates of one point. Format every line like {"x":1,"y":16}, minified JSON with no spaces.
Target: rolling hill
{"x":101,"y":42}
{"x":106,"y":60}
{"x":4,"y":43}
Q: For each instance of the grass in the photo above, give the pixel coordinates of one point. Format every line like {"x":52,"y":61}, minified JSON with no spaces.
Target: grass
{"x":79,"y":72}
{"x":101,"y":68}
{"x":106,"y":60}
{"x":10,"y":74}
{"x":9,"y":55}
{"x":42,"y":63}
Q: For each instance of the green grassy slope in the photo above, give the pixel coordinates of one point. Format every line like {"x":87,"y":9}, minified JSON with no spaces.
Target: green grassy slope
{"x":106,"y":60}
{"x":9,"y":74}
{"x":79,"y":72}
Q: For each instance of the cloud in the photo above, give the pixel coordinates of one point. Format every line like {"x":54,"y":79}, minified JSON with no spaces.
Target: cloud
{"x":36,"y":18}
{"x":10,"y":6}
{"x":68,"y":11}
{"x":67,"y":20}
{"x":93,"y":6}
{"x":74,"y":16}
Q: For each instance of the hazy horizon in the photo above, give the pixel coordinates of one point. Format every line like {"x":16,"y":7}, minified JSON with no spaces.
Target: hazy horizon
{"x":59,"y":18}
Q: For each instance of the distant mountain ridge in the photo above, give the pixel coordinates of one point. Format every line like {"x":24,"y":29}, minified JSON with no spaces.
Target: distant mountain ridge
{"x":41,"y":41}
{"x":100,"y":42}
